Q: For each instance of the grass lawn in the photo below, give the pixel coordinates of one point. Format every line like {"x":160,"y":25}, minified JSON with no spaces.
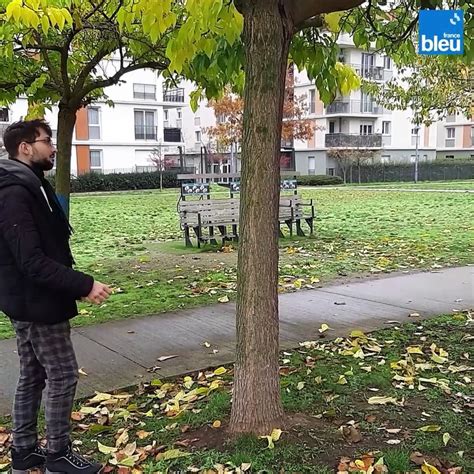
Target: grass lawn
{"x":133,"y":241}
{"x":400,"y":396}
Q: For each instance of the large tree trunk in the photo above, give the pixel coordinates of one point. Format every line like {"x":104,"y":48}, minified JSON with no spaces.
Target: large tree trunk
{"x":66,"y":123}
{"x":256,"y":406}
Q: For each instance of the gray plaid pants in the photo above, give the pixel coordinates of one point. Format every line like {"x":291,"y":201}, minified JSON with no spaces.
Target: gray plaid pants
{"x":46,"y":353}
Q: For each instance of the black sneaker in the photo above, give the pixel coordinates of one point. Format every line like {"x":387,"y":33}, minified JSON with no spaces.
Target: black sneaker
{"x":69,"y":462}
{"x":24,"y":460}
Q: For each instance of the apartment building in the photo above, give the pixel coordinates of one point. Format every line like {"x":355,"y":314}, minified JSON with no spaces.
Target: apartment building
{"x":455,"y":138}
{"x":121,"y":137}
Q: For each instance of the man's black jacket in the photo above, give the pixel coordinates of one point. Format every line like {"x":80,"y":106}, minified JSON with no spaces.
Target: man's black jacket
{"x":37,"y":282}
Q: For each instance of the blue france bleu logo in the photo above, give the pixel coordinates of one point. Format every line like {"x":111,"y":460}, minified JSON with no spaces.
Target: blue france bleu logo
{"x":441,"y":32}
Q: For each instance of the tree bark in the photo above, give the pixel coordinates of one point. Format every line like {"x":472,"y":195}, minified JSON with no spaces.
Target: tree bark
{"x":257,"y":406}
{"x":66,"y":123}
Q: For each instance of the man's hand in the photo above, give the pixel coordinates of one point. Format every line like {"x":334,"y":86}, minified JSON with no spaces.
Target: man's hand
{"x":98,"y":294}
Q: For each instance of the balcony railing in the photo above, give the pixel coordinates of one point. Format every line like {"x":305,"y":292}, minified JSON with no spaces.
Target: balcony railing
{"x":374,"y":73}
{"x":173,"y":95}
{"x":172,"y":135}
{"x":450,"y":142}
{"x":354,"y":107}
{"x":353,"y":140}
{"x":145,"y":132}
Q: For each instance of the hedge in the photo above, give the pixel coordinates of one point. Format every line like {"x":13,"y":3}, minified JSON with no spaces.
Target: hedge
{"x":318,"y":180}
{"x":121,"y":181}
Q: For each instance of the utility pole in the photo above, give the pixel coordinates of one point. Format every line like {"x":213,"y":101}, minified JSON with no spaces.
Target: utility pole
{"x":417,"y":131}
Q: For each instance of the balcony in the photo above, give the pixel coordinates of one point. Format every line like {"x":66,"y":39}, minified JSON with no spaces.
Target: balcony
{"x":173,"y":95}
{"x":347,"y":107}
{"x":373,"y":73}
{"x":145,"y":132}
{"x":353,"y":140}
{"x":172,"y":135}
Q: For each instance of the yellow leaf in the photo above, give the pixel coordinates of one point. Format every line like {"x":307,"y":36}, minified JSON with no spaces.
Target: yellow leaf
{"x":446,"y":438}
{"x":217,"y":424}
{"x":342,"y":380}
{"x":300,"y":386}
{"x":122,"y":439}
{"x":144,"y":434}
{"x":220,"y":371}
{"x":276,"y":433}
{"x":172,"y":454}
{"x":383,"y":401}
{"x":89,"y":410}
{"x":224,"y":299}
{"x":358,"y":334}
{"x":106,"y":449}
{"x":414,"y":350}
{"x":100,"y":397}
{"x":332,"y":21}
{"x":323,"y":328}
{"x":429,"y":469}
{"x":430,"y":428}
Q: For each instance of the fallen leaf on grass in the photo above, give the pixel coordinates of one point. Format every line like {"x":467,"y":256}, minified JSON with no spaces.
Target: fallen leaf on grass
{"x":446,"y":438}
{"x":144,"y":434}
{"x":216,"y":424}
{"x":224,"y":299}
{"x":429,"y":469}
{"x":275,"y":436}
{"x":105,"y":449}
{"x":430,"y":428}
{"x":384,"y":401}
{"x":171,"y":454}
{"x":324,"y":328}
{"x":83,"y":372}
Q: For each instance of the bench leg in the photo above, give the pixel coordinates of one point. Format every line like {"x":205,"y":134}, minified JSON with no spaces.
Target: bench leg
{"x":299,"y":230}
{"x":309,"y":221}
{"x":234,"y":231}
{"x":198,"y":231}
{"x":187,"y":238}
{"x":281,"y":235}
{"x":212,"y":240}
{"x":289,"y":223}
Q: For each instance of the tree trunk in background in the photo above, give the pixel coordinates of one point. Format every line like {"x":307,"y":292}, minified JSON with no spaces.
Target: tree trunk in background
{"x":66,"y":123}
{"x":257,"y":406}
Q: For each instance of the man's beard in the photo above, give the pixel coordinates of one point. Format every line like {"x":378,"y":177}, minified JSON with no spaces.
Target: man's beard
{"x":46,"y":164}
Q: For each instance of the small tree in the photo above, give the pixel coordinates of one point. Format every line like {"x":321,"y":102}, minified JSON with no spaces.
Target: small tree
{"x":346,"y":158}
{"x":161,"y":161}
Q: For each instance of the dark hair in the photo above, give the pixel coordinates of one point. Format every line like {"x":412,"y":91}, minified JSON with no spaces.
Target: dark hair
{"x":23,"y":131}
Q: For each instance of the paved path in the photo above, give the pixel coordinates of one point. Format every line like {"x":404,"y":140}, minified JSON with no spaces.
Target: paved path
{"x":119,"y":354}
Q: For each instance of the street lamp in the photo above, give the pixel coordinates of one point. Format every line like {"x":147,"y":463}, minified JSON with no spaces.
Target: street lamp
{"x":416,"y":130}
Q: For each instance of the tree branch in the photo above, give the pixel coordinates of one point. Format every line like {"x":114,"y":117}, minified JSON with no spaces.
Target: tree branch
{"x":314,"y":22}
{"x":115,"y":78}
{"x":304,"y":10}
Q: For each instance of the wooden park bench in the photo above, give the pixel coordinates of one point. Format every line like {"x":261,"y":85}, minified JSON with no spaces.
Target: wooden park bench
{"x":212,"y":219}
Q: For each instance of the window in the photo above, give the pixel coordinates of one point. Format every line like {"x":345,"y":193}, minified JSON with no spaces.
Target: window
{"x":386,"y":126}
{"x":198,"y":136}
{"x":312,"y":101}
{"x":173,"y":95}
{"x":144,"y":91}
{"x":332,"y":126}
{"x":4,"y":116}
{"x":220,"y":118}
{"x":451,"y":132}
{"x":311,"y":165}
{"x":387,"y":62}
{"x":330,"y":171}
{"x":415,"y":130}
{"x":385,"y":159}
{"x":93,"y":117}
{"x":412,"y":158}
{"x":95,"y":157}
{"x":367,"y":103}
{"x":449,"y":157}
{"x":472,"y":136}
{"x":366,"y":129}
{"x":166,"y":114}
{"x":179,"y":113}
{"x":145,"y":125}
{"x":197,"y":121}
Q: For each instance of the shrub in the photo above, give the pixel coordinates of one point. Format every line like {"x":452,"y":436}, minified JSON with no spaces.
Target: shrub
{"x":318,"y":180}
{"x":120,"y":181}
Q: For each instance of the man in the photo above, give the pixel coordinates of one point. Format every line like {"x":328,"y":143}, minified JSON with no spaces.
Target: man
{"x":38,"y":292}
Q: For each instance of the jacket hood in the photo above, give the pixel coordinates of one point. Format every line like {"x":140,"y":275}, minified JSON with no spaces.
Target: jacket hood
{"x":16,"y":173}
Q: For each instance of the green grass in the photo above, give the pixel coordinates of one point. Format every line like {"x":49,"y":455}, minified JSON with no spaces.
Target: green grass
{"x":456,"y":184}
{"x":312,"y":441}
{"x":132,"y":240}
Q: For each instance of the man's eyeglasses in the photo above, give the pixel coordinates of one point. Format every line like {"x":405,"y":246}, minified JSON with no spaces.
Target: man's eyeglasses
{"x":47,"y":140}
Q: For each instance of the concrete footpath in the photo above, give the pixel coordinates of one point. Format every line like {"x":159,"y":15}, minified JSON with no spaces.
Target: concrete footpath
{"x":121,"y":353}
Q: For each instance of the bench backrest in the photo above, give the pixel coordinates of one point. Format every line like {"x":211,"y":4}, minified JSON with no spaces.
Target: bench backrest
{"x":228,"y":210}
